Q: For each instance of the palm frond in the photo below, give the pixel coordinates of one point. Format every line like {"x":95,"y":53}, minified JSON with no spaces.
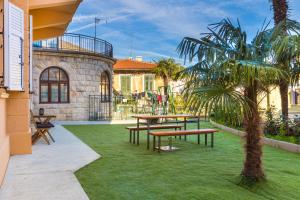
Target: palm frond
{"x":226,"y":65}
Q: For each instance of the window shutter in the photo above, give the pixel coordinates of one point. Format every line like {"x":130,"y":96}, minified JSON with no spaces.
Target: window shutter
{"x":149,"y":82}
{"x":30,"y":55}
{"x":13,"y":47}
{"x":128,"y":85}
{"x":125,"y":84}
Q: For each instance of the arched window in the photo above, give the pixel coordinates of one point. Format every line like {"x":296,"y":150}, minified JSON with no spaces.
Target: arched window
{"x":54,"y":86}
{"x":105,"y":87}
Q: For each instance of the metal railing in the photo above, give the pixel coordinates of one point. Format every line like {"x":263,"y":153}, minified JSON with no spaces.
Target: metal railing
{"x":78,"y":43}
{"x":99,"y":108}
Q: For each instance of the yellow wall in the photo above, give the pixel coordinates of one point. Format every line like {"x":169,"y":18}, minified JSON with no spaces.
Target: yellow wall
{"x":15,"y":133}
{"x":18,"y":102}
{"x":137,"y":80}
{"x":274,"y":100}
{"x":4,"y":139}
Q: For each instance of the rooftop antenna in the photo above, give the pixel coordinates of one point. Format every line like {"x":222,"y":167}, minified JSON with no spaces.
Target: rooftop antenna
{"x":97,"y":21}
{"x":131,"y":47}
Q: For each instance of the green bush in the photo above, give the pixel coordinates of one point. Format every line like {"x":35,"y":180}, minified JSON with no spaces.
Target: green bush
{"x":231,"y":119}
{"x":277,"y":126}
{"x":273,"y":125}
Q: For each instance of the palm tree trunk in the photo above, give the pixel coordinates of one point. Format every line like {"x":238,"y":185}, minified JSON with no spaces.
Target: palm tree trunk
{"x":268,"y":100}
{"x":166,"y":84}
{"x":253,"y":170}
{"x":280,"y":9}
{"x":284,"y":89}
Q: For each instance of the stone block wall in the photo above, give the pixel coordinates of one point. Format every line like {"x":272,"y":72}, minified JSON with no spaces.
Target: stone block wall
{"x":84,"y":79}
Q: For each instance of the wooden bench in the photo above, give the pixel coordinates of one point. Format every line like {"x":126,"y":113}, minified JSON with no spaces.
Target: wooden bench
{"x":198,"y":132}
{"x":133,"y":129}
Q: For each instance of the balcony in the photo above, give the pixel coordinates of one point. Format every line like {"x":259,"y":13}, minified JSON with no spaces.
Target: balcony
{"x":71,"y":42}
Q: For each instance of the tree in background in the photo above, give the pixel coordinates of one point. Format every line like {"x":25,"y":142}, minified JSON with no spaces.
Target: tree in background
{"x":229,"y":75}
{"x":285,"y":46}
{"x":168,"y":70}
{"x":280,"y":9}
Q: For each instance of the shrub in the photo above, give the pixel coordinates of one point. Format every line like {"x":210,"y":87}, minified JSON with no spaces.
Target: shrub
{"x":276,"y":125}
{"x":231,"y":119}
{"x":272,"y":125}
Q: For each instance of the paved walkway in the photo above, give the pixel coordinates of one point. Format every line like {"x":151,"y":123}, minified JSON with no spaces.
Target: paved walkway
{"x":47,"y":174}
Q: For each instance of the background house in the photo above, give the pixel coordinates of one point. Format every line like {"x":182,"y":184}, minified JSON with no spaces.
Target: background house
{"x":135,"y":76}
{"x":274,"y":100}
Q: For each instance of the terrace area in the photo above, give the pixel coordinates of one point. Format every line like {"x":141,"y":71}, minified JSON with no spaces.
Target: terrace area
{"x":126,"y":171}
{"x":98,"y":127}
{"x":70,"y":42}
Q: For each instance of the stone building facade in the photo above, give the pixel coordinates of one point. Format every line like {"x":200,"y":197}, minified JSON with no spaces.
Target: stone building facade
{"x":84,"y":72}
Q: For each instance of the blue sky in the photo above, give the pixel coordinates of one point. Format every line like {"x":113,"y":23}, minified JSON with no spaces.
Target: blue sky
{"x":154,"y":28}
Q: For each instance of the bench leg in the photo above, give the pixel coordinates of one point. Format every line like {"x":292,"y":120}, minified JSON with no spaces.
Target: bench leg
{"x":154,"y":143}
{"x":175,"y":135}
{"x":159,"y":143}
{"x":148,"y":141}
{"x":198,"y":138}
{"x":205,"y":139}
{"x":138,"y":138}
{"x":148,"y":135}
{"x":184,"y":137}
{"x":130,"y":136}
{"x":50,"y":136}
{"x":212,"y":140}
{"x":170,"y":142}
{"x":180,"y":135}
{"x":134,"y":137}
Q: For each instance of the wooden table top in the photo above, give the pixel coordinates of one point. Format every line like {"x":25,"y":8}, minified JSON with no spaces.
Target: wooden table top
{"x":44,"y":116}
{"x":164,"y":116}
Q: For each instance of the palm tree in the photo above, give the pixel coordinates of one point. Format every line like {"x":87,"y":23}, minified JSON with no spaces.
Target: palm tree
{"x":280,"y":10}
{"x":167,"y":69}
{"x":229,"y":75}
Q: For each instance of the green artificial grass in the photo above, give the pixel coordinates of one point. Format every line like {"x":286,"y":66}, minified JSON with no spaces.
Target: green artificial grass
{"x":127,"y":171}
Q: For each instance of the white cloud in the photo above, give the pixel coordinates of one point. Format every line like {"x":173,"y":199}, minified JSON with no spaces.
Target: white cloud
{"x":82,"y":18}
{"x":175,"y":19}
{"x":104,"y":21}
{"x":153,"y":28}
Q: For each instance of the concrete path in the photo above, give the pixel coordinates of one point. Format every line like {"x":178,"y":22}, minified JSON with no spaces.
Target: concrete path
{"x":47,"y":174}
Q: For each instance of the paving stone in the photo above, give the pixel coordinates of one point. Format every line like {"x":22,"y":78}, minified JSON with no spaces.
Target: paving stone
{"x":47,"y":173}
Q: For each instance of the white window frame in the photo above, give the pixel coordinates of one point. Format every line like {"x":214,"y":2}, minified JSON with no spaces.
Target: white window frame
{"x":154,"y":88}
{"x":130,"y":75}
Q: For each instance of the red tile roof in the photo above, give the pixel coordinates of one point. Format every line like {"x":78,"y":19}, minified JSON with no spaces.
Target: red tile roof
{"x":128,"y":64}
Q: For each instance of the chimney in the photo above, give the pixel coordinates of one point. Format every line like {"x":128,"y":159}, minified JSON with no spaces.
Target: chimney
{"x":139,"y":58}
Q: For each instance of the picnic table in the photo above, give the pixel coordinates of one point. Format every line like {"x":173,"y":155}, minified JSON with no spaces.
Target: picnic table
{"x":151,"y":118}
{"x":42,"y":124}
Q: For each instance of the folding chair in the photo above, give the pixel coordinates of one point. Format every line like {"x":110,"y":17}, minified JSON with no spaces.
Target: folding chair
{"x":42,"y":129}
